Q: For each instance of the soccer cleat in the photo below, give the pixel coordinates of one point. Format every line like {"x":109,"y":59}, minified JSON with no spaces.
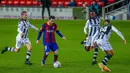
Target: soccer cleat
{"x":94,"y":62}
{"x":4,"y":50}
{"x":106,"y":69}
{"x":101,"y":66}
{"x":42,"y":62}
{"x":82,"y":42}
{"x":28,"y":63}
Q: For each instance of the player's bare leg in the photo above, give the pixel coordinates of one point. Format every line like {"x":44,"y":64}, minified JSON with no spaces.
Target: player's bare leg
{"x":55,"y":55}
{"x":44,"y":58}
{"x":28,"y":54}
{"x":12,"y":49}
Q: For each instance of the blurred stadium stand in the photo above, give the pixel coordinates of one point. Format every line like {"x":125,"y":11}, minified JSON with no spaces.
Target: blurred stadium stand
{"x":71,"y":9}
{"x":54,"y":3}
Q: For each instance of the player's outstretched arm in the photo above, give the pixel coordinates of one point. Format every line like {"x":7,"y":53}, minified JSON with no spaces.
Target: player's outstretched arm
{"x":86,"y":26}
{"x":39,"y":35}
{"x":119,"y":33}
{"x":58,"y":32}
{"x":94,"y":37}
{"x":33,"y":27}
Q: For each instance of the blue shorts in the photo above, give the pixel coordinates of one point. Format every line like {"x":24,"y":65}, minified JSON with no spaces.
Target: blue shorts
{"x":50,"y":47}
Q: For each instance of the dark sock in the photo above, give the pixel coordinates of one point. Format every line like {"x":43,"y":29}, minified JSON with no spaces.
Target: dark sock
{"x":55,"y":57}
{"x":28,"y":54}
{"x":45,"y":56}
{"x":11,"y":49}
{"x":95,"y":54}
{"x":105,"y":60}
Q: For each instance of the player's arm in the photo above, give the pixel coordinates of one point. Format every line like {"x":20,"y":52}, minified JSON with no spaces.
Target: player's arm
{"x":31,"y":26}
{"x":119,"y":34}
{"x":86,"y":26}
{"x":94,"y":37}
{"x":58,"y":32}
{"x":39,"y":34}
{"x":21,"y":28}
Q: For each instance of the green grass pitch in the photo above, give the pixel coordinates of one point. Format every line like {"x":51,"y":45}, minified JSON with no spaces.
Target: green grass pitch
{"x":73,"y":57}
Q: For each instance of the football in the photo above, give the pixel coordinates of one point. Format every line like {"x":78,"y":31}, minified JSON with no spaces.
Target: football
{"x":57,"y":64}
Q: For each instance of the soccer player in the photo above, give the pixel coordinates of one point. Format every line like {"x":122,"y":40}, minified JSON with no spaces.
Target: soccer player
{"x":102,"y":37}
{"x":22,"y":37}
{"x":93,"y":25}
{"x":49,"y":28}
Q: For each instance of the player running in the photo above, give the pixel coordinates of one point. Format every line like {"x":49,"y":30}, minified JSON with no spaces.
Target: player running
{"x":102,"y":37}
{"x":22,"y":37}
{"x":49,"y":28}
{"x":93,"y":25}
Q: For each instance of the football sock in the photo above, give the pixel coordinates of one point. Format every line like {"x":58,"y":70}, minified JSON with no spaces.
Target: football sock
{"x":95,"y":54}
{"x":11,"y":49}
{"x":107,"y":57}
{"x":55,"y":57}
{"x":45,"y":56}
{"x":28,"y":55}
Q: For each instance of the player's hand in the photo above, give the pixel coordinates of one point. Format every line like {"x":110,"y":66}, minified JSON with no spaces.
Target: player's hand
{"x":37,"y":29}
{"x":64,"y":38}
{"x":22,"y":34}
{"x":124,"y":41}
{"x":94,"y":44}
{"x":37,"y":41}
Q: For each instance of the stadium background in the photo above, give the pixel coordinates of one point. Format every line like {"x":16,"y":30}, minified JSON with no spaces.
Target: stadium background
{"x":72,"y":56}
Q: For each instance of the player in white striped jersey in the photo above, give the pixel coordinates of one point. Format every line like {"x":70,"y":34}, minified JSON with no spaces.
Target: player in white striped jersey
{"x":101,"y":39}
{"x":93,"y":25}
{"x":22,"y":37}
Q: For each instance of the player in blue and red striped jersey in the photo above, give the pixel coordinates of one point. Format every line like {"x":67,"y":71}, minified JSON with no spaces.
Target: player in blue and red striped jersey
{"x":49,"y":28}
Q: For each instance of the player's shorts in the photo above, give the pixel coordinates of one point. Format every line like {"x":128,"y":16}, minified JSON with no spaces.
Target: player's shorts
{"x":88,"y":41}
{"x":50,"y":47}
{"x":103,"y":44}
{"x":20,"y":41}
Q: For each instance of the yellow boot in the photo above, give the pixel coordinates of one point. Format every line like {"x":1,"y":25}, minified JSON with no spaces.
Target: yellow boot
{"x":106,"y":69}
{"x":101,"y":66}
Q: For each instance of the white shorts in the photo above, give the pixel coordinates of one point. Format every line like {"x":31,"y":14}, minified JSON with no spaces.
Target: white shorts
{"x":20,"y":41}
{"x":88,"y":41}
{"x":103,"y":44}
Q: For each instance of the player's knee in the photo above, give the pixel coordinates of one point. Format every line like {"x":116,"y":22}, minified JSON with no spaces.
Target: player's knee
{"x":16,"y":50}
{"x":56,"y":52}
{"x":87,"y":48}
{"x":29,"y":48}
{"x":47,"y":53}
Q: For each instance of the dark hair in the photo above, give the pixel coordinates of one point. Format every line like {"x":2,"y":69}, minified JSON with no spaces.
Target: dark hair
{"x":51,"y":17}
{"x":107,"y":20}
{"x":23,"y":12}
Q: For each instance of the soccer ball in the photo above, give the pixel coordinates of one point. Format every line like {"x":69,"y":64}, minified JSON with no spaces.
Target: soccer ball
{"x":57,"y":64}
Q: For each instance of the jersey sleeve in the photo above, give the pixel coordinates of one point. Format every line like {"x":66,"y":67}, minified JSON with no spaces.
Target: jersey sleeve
{"x":57,"y":31}
{"x":86,"y":26}
{"x":31,"y":26}
{"x":21,"y":27}
{"x":94,"y":37}
{"x":56,"y":27}
{"x":118,"y":32}
{"x":40,"y":32}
